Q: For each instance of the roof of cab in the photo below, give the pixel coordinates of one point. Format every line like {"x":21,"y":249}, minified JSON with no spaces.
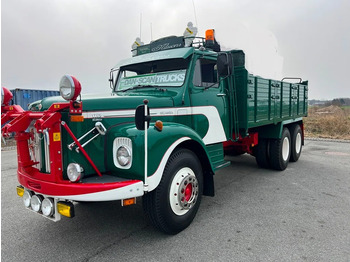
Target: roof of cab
{"x":161,"y":55}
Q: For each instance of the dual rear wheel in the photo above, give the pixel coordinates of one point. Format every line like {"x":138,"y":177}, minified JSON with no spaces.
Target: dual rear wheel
{"x":276,"y":153}
{"x":297,"y":141}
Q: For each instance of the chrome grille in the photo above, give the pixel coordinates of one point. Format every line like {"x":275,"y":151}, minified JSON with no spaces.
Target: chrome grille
{"x":39,"y":149}
{"x":47,"y":150}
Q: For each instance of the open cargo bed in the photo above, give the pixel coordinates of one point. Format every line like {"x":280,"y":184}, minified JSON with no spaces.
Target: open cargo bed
{"x":263,"y":101}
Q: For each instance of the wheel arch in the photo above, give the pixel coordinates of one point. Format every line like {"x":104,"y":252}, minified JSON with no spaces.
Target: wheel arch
{"x":208,"y":173}
{"x":301,"y":124}
{"x":189,"y":140}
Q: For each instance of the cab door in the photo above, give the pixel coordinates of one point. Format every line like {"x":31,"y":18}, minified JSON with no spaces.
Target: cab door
{"x":208,"y":102}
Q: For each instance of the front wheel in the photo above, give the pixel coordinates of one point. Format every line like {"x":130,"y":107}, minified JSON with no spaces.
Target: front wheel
{"x":172,"y":206}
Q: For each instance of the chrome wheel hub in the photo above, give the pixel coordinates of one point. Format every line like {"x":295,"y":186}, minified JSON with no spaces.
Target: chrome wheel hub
{"x":183,"y":191}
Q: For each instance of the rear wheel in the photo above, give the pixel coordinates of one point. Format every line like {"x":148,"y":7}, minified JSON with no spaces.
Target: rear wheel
{"x":296,"y":135}
{"x":261,"y":152}
{"x":280,"y":151}
{"x":172,"y":206}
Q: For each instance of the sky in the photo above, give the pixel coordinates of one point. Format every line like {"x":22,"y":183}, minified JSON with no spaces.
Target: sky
{"x":41,"y":40}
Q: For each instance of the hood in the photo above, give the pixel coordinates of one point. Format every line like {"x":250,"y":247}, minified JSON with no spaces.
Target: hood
{"x":110,"y":101}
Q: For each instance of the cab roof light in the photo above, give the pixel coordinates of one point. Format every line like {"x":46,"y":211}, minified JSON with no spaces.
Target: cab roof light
{"x":210,"y":41}
{"x":210,"y":35}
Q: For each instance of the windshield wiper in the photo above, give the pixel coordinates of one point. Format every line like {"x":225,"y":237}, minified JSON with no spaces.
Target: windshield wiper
{"x":134,"y":87}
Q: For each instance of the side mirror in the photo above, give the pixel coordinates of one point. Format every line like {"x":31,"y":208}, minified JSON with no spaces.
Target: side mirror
{"x":113,"y":74}
{"x":141,"y":118}
{"x":224,"y":64}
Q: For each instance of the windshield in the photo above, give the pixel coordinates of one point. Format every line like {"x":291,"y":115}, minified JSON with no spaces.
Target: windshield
{"x":169,"y":73}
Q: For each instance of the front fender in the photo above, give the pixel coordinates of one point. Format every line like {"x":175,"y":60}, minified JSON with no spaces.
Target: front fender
{"x":161,"y":144}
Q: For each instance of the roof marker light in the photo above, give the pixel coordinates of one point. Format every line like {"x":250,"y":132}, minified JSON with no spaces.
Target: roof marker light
{"x":210,"y":35}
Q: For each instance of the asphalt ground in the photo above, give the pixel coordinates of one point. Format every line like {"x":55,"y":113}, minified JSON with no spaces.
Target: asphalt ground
{"x":300,"y":214}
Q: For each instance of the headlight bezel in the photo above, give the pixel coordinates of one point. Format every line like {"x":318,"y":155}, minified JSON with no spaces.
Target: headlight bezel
{"x":123,"y":159}
{"x":48,"y":203}
{"x":74,"y":172}
{"x":36,"y":202}
{"x":27,"y":196}
{"x":71,"y":84}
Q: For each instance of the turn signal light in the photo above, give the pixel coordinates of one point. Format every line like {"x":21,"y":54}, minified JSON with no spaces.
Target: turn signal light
{"x":77,"y":118}
{"x":65,"y":209}
{"x":20,"y":191}
{"x":129,"y":201}
{"x":159,"y":125}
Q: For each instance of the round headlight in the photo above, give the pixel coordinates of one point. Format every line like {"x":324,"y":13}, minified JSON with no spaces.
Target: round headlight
{"x":47,"y":207}
{"x":35,"y":202}
{"x":123,"y":156}
{"x":27,"y":195}
{"x":74,"y":172}
{"x":70,"y":87}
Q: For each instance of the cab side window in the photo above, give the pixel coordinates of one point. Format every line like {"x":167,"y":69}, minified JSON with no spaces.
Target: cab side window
{"x":205,"y":73}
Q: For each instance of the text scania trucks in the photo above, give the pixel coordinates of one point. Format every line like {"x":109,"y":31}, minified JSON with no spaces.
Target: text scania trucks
{"x":176,"y":108}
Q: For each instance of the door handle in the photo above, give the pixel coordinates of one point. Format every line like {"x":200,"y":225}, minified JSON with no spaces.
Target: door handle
{"x":220,"y":95}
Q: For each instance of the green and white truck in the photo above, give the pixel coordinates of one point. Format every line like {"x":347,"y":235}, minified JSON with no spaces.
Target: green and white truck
{"x":174,"y":112}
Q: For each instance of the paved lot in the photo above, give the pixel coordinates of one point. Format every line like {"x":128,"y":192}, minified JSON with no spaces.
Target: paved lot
{"x":301,"y":214}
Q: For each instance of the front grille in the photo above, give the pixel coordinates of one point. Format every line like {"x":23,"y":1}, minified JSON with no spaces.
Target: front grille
{"x":39,"y":149}
{"x":47,"y":150}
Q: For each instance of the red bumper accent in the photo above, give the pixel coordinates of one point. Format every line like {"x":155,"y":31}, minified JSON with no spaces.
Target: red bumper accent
{"x":68,"y":188}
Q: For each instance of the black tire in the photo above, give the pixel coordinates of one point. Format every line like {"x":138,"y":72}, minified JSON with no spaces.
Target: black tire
{"x":172,"y":206}
{"x":280,"y":151}
{"x":261,"y":152}
{"x":297,"y":140}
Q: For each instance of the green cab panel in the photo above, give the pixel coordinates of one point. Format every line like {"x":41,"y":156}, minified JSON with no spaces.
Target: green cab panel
{"x":111,"y":101}
{"x":158,"y":143}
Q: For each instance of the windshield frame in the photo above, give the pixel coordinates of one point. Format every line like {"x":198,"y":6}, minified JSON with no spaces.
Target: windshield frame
{"x":140,"y":70}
